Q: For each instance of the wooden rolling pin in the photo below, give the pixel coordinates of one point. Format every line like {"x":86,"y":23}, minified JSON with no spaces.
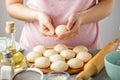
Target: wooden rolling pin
{"x":96,"y":64}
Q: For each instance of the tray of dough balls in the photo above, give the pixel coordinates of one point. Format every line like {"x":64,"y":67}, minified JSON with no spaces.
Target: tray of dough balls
{"x":59,"y":58}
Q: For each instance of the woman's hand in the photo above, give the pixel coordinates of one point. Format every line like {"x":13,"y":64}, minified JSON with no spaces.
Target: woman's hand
{"x":46,"y":24}
{"x":73,"y":26}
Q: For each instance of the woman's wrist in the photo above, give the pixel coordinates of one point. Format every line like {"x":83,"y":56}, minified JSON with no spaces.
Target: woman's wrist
{"x":43,"y":17}
{"x":38,"y":15}
{"x":81,"y":18}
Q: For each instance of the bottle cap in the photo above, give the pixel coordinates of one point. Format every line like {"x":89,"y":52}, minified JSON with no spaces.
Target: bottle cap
{"x":6,"y":54}
{"x":10,"y":27}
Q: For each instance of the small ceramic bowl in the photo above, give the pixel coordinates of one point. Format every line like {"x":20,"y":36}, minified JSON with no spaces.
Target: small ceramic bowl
{"x":112,"y":65}
{"x":57,"y":76}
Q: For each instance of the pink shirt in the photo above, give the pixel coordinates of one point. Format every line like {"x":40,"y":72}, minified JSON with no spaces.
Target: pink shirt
{"x":60,"y":10}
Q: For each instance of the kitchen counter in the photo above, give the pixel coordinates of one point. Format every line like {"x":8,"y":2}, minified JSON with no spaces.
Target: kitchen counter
{"x":100,"y":76}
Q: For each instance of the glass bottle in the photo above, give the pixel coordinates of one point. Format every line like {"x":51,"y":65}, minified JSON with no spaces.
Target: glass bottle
{"x":6,"y":66}
{"x":18,"y":57}
{"x":3,"y":44}
{"x":10,"y":30}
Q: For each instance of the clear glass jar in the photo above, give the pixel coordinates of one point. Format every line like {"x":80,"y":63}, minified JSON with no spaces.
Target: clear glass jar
{"x":6,"y":66}
{"x":57,"y":76}
{"x":3,"y":44}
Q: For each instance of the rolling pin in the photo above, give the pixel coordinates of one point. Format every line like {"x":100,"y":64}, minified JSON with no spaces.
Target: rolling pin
{"x":96,"y":64}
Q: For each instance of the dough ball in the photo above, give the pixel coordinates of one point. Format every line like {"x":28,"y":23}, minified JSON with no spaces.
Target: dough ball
{"x":39,"y":49}
{"x":32,"y":56}
{"x":80,"y":48}
{"x":59,"y":66}
{"x":60,"y":47}
{"x":68,"y":54}
{"x":50,"y":52}
{"x":84,"y":56}
{"x":42,"y":62}
{"x":75,"y":63}
{"x":60,"y":29}
{"x":56,"y":57}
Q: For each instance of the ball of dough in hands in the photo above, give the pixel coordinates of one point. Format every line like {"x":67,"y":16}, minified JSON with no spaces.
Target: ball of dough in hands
{"x":56,"y":57}
{"x":42,"y":62}
{"x":84,"y":56}
{"x":68,"y":54}
{"x":60,"y":29}
{"x":50,"y":52}
{"x":80,"y":48}
{"x":60,"y":47}
{"x":32,"y":56}
{"x":39,"y":48}
{"x":59,"y":66}
{"x":75,"y":63}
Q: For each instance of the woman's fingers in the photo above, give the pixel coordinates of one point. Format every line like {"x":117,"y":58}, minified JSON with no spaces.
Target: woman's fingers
{"x":50,"y":28}
{"x":46,"y":24}
{"x":45,"y":31}
{"x":71,"y":22}
{"x":66,"y":35}
{"x":70,"y":33}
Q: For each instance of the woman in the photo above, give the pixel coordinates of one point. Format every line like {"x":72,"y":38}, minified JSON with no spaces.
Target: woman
{"x":43,"y":16}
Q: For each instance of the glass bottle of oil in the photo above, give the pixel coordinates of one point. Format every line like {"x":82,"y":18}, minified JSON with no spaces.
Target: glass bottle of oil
{"x":18,"y":57}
